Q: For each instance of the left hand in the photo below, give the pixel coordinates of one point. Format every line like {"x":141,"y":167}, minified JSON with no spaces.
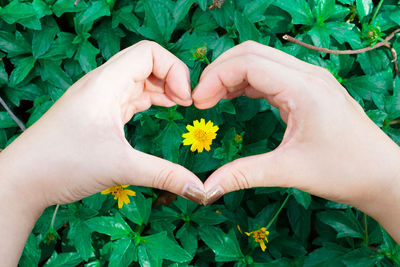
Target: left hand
{"x":78,"y":147}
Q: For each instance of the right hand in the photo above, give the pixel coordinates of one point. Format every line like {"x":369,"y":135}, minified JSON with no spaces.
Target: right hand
{"x":330,"y":148}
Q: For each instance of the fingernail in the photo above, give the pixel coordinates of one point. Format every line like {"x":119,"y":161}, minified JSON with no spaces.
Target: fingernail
{"x":189,"y":94}
{"x":213,"y":195}
{"x":193,"y":193}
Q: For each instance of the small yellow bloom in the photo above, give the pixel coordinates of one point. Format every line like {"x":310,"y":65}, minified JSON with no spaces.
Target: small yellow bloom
{"x":217,"y":211}
{"x":120,"y":193}
{"x":240,"y":230}
{"x":200,"y":135}
{"x":259,"y":236}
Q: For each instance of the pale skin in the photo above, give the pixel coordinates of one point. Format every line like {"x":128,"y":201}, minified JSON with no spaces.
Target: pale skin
{"x":330,"y":149}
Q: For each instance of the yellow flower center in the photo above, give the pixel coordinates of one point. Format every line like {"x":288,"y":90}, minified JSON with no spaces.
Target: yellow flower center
{"x":200,"y":136}
{"x":259,"y":235}
{"x":117,"y":190}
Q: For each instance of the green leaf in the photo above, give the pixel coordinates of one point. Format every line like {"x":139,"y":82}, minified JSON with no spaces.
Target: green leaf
{"x":365,"y":85}
{"x":329,"y":256}
{"x":43,"y":39}
{"x":207,"y":215}
{"x":298,"y":9}
{"x":203,"y":22}
{"x":181,"y":9}
{"x":364,"y":8}
{"x":221,"y":45}
{"x":51,"y":71}
{"x":229,"y":149}
{"x":323,"y":9}
{"x":320,"y":36}
{"x":123,"y":253}
{"x":301,"y":197}
{"x":159,"y":245}
{"x":22,"y":68}
{"x":390,"y":246}
{"x":41,"y":8}
{"x":185,"y":205}
{"x":225,"y":246}
{"x":61,"y":48}
{"x":224,"y":16}
{"x":171,"y":114}
{"x":96,"y":10}
{"x":115,"y":226}
{"x":109,"y":39}
{"x":126,"y":17}
{"x":361,"y":257}
{"x":14,"y":45}
{"x":69,"y":259}
{"x":27,"y":92}
{"x":138,"y":211}
{"x":40,"y":106}
{"x":86,"y":55}
{"x":62,"y":6}
{"x":171,"y":140}
{"x":300,"y":220}
{"x":79,"y":233}
{"x":233,"y":199}
{"x":6,"y":121}
{"x":377,"y":116}
{"x":345,"y":223}
{"x":203,"y":4}
{"x":246,"y":29}
{"x":22,"y":13}
{"x":146,"y":259}
{"x":246,"y":108}
{"x":164,"y":214}
{"x":256,"y":10}
{"x":31,"y":254}
{"x":187,"y":234}
{"x":158,"y":21}
{"x":3,"y":73}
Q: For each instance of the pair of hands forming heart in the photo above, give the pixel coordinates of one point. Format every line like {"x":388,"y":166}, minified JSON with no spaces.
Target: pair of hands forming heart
{"x":330,"y":148}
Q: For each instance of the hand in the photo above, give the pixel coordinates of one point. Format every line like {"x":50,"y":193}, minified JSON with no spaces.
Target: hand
{"x":330,"y":148}
{"x":78,"y":147}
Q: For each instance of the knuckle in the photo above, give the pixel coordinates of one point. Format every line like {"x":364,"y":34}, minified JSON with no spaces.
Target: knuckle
{"x":248,"y":45}
{"x":164,"y":178}
{"x":239,"y":178}
{"x":147,"y":43}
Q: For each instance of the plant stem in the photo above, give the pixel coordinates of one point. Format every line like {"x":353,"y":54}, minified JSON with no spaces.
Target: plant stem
{"x":277,"y":213}
{"x":366,"y":229}
{"x":206,"y":60}
{"x":54,"y":217}
{"x":376,"y":11}
{"x":18,"y":121}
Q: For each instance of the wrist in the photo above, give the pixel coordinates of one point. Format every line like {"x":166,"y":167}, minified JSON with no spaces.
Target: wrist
{"x":382,"y":201}
{"x":20,"y":212}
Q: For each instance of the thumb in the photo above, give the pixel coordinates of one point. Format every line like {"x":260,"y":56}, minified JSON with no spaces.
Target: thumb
{"x":146,"y":170}
{"x":270,"y":169}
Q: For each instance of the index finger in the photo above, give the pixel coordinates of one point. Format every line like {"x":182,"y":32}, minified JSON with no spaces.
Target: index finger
{"x":274,"y":80}
{"x":148,"y":59}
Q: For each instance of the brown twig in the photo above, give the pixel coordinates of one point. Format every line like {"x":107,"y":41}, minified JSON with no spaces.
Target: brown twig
{"x":394,"y":122}
{"x":19,"y":123}
{"x":350,"y":51}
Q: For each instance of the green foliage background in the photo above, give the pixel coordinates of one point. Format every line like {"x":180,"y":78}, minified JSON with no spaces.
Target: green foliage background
{"x":46,"y":46}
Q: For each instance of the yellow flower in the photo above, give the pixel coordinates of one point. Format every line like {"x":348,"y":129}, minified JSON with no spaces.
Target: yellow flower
{"x":259,"y":236}
{"x":200,"y":135}
{"x":120,"y":193}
